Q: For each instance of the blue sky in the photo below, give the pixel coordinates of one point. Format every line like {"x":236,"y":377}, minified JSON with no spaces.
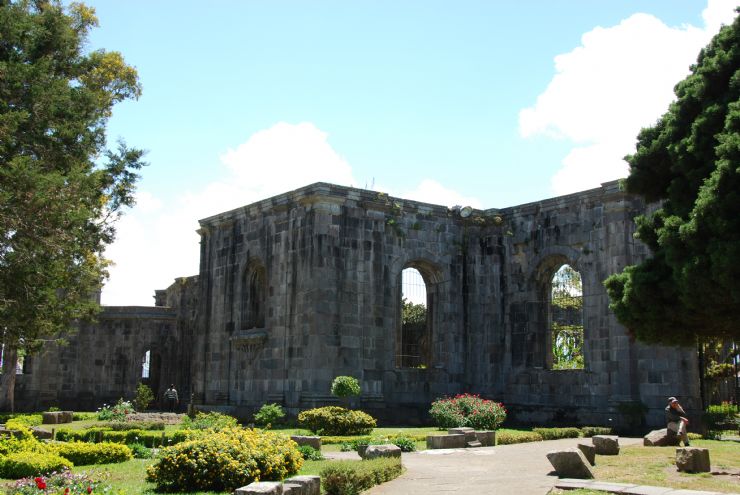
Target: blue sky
{"x":491,"y":103}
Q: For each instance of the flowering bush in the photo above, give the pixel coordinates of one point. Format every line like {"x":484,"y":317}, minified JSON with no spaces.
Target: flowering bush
{"x":467,"y":410}
{"x":225,"y":460}
{"x":61,"y":482}
{"x":333,"y":420}
{"x":118,"y":412}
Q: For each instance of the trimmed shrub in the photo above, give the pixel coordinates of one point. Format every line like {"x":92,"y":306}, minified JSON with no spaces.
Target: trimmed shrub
{"x":556,"y":433}
{"x":84,"y":454}
{"x":26,"y":463}
{"x":345,"y":386}
{"x":84,"y":416}
{"x":406,"y":444}
{"x":148,"y":438}
{"x":589,"y":431}
{"x":269,"y":415}
{"x":133,"y":425}
{"x":353,"y":477}
{"x":310,"y":454}
{"x":144,"y":397}
{"x":467,"y":410}
{"x":209,"y":421}
{"x":26,"y":419}
{"x":511,"y":437}
{"x":225,"y":460}
{"x":334,"y":420}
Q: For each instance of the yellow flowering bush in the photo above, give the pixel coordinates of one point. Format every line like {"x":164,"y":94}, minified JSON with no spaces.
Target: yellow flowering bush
{"x":225,"y":460}
{"x":334,"y":420}
{"x":84,"y":454}
{"x":27,"y":463}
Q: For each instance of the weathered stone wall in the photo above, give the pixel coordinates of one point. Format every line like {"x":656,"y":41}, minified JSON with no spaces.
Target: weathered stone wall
{"x":299,"y":288}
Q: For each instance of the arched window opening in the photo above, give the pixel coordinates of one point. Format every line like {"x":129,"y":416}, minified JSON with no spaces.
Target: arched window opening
{"x":415,"y":328}
{"x":566,"y":319}
{"x":253,"y":304}
{"x":145,"y":364}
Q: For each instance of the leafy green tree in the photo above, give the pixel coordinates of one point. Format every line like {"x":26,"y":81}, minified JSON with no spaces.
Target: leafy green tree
{"x":345,"y":386}
{"x":689,"y":162}
{"x":144,"y":397}
{"x":61,"y":188}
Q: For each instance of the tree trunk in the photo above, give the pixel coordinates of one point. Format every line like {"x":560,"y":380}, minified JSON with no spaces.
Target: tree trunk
{"x":7,"y":379}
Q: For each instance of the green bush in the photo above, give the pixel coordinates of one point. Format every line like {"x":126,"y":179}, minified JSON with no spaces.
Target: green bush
{"x":144,"y":397}
{"x":334,"y":420}
{"x":352,"y":477}
{"x":556,"y":433}
{"x":26,"y":463}
{"x":84,"y":454}
{"x":148,"y":438}
{"x":510,"y":437}
{"x":589,"y":431}
{"x":467,"y":410}
{"x":140,"y":451}
{"x":309,"y":453}
{"x":722,"y":416}
{"x":404,"y":443}
{"x":269,"y":415}
{"x":25,"y":418}
{"x":345,"y":386}
{"x":225,"y":460}
{"x":209,"y":421}
{"x":84,"y":416}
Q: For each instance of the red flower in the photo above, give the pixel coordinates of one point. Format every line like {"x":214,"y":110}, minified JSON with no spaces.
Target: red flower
{"x":40,"y":483}
{"x":89,"y":489}
{"x":66,"y":491}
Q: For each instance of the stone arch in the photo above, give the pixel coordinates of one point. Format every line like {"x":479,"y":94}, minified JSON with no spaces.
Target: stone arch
{"x":253,"y":295}
{"x":414,"y":342}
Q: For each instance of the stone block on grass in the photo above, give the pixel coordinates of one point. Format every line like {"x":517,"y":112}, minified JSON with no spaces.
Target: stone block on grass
{"x":261,"y":488}
{"x":692,"y":460}
{"x":589,"y":451}
{"x":311,"y":441}
{"x":50,"y":418}
{"x":660,"y":438}
{"x":570,"y":463}
{"x":311,"y":485}
{"x":66,"y":416}
{"x":606,"y":444}
{"x":446,"y":441}
{"x":388,"y":450}
{"x":486,"y":438}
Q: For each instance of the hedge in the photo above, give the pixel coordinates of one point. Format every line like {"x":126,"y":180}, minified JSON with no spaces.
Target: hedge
{"x":508,"y":437}
{"x":84,"y":454}
{"x":27,"y":463}
{"x":148,"y":438}
{"x":556,"y":433}
{"x":589,"y":431}
{"x":354,"y":477}
{"x":334,"y":420}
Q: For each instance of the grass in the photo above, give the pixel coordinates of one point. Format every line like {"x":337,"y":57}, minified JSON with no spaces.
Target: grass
{"x":656,"y":466}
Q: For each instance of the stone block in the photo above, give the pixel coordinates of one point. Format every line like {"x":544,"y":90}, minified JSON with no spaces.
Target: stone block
{"x":589,"y":451}
{"x":51,"y":418}
{"x":311,"y":484}
{"x":474,"y":444}
{"x":660,"y":438}
{"x":261,"y":488}
{"x":570,"y":463}
{"x":486,"y":438}
{"x":606,"y":444}
{"x":292,"y":488}
{"x":375,"y":451}
{"x":41,"y":434}
{"x":446,"y":441}
{"x":314,"y":442}
{"x":692,"y":460}
{"x":462,"y":429}
{"x":66,"y":416}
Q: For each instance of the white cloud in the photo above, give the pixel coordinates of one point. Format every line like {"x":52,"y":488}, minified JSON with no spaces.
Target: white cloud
{"x":157,"y":241}
{"x":619,"y":80}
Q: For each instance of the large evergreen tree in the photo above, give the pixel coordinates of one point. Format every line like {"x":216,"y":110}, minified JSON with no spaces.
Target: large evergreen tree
{"x":61,"y":189}
{"x":689,"y":162}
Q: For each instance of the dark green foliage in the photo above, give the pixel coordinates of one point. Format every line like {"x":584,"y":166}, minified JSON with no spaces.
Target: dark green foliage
{"x":353,"y":477}
{"x":512,"y":436}
{"x":148,"y":438}
{"x":309,"y":453}
{"x":722,"y":417}
{"x":61,"y":189}
{"x":269,"y":415}
{"x":690,"y":162}
{"x":556,"y":433}
{"x":144,"y":397}
{"x":85,"y":454}
{"x":345,"y":386}
{"x":140,"y":451}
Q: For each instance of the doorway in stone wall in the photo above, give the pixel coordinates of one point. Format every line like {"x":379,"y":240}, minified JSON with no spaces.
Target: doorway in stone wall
{"x":414,"y":334}
{"x":151,"y":369}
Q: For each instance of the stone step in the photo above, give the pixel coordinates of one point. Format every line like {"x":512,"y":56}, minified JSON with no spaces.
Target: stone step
{"x":475,"y":443}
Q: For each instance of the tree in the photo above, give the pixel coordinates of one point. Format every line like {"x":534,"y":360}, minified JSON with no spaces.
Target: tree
{"x":689,"y":163}
{"x":61,"y":189}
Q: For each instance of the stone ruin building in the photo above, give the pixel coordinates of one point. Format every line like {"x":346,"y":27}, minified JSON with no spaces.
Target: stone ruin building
{"x":307,"y":285}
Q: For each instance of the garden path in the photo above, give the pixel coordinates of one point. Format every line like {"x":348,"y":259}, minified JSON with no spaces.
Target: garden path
{"x":520,"y":469}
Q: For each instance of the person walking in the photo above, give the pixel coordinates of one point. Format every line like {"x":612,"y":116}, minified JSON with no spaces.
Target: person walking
{"x":170,"y":396}
{"x":677,"y":420}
